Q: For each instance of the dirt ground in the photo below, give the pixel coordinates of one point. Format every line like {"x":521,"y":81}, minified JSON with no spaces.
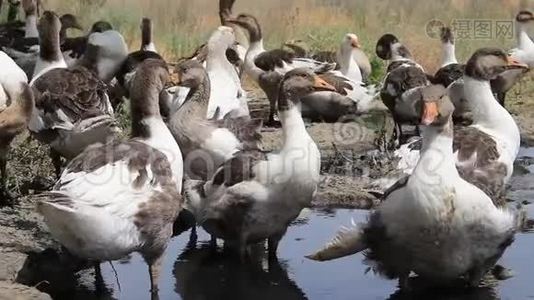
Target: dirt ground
{"x":349,"y":166}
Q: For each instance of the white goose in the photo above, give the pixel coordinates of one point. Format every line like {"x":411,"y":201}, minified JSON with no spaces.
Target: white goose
{"x":255,"y":195}
{"x":227,"y":95}
{"x":486,"y":150}
{"x":16,"y":104}
{"x":122,"y":197}
{"x":434,"y":224}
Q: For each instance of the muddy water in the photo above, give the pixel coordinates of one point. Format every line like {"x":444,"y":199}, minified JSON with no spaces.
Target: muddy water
{"x":193,"y":270}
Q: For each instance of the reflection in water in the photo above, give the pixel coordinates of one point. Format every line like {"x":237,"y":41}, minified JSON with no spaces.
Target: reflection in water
{"x":204,"y":273}
{"x":419,"y":291}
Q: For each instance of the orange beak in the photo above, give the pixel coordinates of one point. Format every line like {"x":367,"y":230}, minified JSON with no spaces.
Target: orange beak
{"x":355,"y":43}
{"x":430,"y":113}
{"x":321,"y":85}
{"x":515,"y":64}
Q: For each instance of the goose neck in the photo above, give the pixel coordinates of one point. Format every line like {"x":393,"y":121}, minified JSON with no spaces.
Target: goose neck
{"x":348,"y":65}
{"x":30,"y":29}
{"x":523,"y":39}
{"x":449,"y":54}
{"x":437,"y":158}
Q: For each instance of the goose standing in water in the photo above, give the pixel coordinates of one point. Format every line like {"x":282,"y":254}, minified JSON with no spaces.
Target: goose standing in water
{"x":72,"y":108}
{"x":207,"y":144}
{"x":485,"y":151}
{"x":254,"y":196}
{"x":122,"y":197}
{"x":227,"y":96}
{"x":434,"y":224}
{"x":16,"y":104}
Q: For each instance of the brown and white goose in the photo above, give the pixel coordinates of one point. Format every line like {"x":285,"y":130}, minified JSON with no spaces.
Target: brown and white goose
{"x":268,"y":67}
{"x":434,"y":224}
{"x":72,"y":108}
{"x":121,"y":197}
{"x":254,"y":196}
{"x":485,"y":151}
{"x":207,"y":144}
{"x":16,"y":104}
{"x":404,"y":77}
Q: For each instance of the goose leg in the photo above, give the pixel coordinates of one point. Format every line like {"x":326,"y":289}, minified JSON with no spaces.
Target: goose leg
{"x":154,"y":270}
{"x":5,"y":196}
{"x":56,"y":161}
{"x":272,"y":245}
{"x":100,"y":286}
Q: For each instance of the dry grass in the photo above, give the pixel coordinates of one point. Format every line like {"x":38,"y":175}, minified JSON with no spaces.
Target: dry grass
{"x":183,"y":24}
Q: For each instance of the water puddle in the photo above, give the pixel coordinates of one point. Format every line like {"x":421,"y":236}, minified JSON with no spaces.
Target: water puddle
{"x":196,"y":272}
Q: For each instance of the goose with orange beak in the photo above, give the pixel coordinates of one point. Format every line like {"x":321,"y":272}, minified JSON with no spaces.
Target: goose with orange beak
{"x":421,"y":226}
{"x":485,"y":151}
{"x":255,"y":195}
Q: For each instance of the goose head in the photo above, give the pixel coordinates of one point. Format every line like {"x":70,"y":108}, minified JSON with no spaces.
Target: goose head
{"x":389,"y":47}
{"x":70,"y":21}
{"x":109,"y":50}
{"x":150,"y":80}
{"x":446,"y":35}
{"x":250,"y":24}
{"x":437,"y":107}
{"x":31,"y":7}
{"x":487,"y":63}
{"x":225,"y":10}
{"x":350,"y":42}
{"x":101,"y":26}
{"x":49,"y":28}
{"x":190,"y":74}
{"x":524,"y":17}
{"x":297,"y":84}
{"x":221,"y":39}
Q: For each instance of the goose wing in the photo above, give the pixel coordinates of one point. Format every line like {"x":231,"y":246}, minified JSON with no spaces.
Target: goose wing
{"x":118,"y":178}
{"x":64,"y":97}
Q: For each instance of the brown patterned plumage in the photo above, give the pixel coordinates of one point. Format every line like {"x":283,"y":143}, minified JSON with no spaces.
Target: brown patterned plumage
{"x":78,"y":92}
{"x":342,"y":84}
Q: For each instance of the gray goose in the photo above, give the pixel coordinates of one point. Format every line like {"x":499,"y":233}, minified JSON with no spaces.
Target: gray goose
{"x":254,"y":196}
{"x":207,"y":144}
{"x":421,"y":226}
{"x":122,"y":197}
{"x":16,"y":104}
{"x":404,"y":77}
{"x":486,"y":150}
{"x":72,"y":108}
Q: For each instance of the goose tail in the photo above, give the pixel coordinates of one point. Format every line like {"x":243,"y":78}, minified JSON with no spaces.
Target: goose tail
{"x":347,"y":241}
